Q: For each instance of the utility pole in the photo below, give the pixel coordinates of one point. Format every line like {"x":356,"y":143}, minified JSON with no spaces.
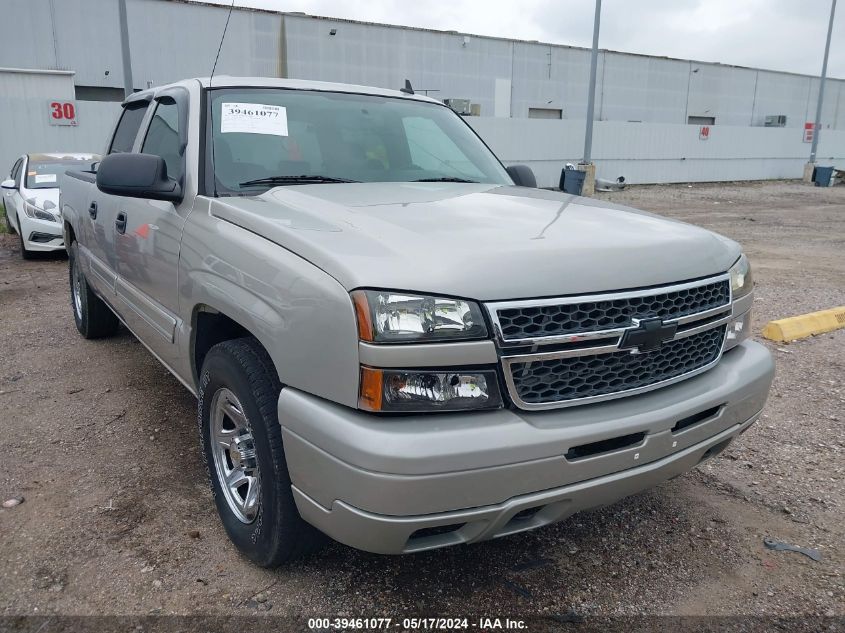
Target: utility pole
{"x":128,"y":87}
{"x":586,"y":162}
{"x":817,"y":122}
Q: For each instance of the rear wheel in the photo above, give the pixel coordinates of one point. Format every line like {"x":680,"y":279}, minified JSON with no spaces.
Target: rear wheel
{"x":245,"y":459}
{"x":93,"y":318}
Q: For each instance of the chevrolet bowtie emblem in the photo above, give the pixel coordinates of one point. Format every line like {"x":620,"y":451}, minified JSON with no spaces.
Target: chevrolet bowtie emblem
{"x":647,"y":335}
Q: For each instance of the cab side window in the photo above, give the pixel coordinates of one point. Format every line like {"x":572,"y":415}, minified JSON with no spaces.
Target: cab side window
{"x":163,"y":137}
{"x":127,"y":128}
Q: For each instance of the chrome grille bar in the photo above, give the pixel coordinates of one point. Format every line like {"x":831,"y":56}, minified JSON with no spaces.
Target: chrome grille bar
{"x":605,"y":343}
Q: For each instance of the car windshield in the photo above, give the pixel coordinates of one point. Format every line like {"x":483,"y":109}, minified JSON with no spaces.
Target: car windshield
{"x":264,"y":138}
{"x":47,"y":174}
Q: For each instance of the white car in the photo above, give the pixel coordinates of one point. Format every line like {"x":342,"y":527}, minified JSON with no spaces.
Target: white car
{"x":31,"y":197}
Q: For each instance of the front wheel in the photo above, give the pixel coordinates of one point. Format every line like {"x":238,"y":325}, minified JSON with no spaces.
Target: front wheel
{"x":9,"y":227}
{"x":25,"y":254}
{"x":244,"y":456}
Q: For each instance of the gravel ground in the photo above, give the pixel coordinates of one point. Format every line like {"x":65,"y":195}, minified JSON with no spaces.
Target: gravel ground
{"x":118,"y":519}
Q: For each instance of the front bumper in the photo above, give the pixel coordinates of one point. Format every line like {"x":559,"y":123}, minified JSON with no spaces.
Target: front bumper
{"x":41,"y":235}
{"x":410,"y":483}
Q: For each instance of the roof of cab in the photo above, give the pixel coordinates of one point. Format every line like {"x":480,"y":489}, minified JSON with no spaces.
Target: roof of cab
{"x":226,"y":81}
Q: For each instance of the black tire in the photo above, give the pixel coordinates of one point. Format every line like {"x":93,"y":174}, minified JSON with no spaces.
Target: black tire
{"x":25,"y":254}
{"x":93,"y":318}
{"x":9,"y":227}
{"x":276,"y":534}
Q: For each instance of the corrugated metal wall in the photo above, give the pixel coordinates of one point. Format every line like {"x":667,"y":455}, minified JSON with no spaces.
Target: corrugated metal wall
{"x":630,"y":87}
{"x":657,"y":152}
{"x":642,"y":152}
{"x":24,"y":125}
{"x":172,"y":40}
{"x":169,"y":41}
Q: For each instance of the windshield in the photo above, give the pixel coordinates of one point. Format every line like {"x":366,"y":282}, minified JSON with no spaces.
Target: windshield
{"x":276,"y":136}
{"x":47,"y":174}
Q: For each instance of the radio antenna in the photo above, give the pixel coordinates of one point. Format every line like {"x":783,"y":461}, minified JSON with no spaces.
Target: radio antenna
{"x":222,"y":37}
{"x":211,"y":110}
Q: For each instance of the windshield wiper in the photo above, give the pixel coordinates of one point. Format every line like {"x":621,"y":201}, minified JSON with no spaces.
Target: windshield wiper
{"x":444,"y":179}
{"x":293,"y":180}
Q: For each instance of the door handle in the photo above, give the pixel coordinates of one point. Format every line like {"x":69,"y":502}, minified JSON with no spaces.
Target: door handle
{"x":120,"y":222}
{"x":92,"y":210}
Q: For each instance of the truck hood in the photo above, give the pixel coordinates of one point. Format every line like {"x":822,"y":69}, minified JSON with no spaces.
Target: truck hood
{"x":479,"y":241}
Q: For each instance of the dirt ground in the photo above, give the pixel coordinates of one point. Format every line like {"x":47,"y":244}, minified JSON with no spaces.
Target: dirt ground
{"x":100,"y":440}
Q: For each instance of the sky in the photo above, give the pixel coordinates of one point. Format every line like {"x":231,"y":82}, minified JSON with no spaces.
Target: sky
{"x":786,"y":35}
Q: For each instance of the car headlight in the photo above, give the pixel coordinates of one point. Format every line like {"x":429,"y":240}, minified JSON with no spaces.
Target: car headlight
{"x":395,"y":317}
{"x":395,"y":390}
{"x":40,"y":214}
{"x":741,"y":280}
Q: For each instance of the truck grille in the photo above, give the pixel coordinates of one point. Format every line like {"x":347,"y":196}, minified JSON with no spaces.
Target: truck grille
{"x":525,"y":322}
{"x":578,"y":377}
{"x":575,"y":350}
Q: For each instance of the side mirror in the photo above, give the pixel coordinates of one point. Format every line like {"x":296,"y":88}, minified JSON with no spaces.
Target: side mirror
{"x":522,"y":176}
{"x":137,"y":176}
{"x":8,"y":184}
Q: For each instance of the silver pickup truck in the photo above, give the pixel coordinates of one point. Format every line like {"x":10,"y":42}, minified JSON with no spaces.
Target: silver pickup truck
{"x":393,"y":339}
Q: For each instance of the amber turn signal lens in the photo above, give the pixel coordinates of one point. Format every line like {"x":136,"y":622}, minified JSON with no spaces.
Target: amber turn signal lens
{"x":362,"y":313}
{"x":371,"y":393}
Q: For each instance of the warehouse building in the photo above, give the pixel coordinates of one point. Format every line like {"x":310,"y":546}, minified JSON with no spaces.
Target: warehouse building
{"x":483,"y":77}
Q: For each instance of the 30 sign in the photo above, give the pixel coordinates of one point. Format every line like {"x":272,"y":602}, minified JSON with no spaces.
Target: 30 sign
{"x":61,"y":112}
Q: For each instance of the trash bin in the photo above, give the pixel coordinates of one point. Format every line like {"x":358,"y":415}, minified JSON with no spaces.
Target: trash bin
{"x":572,"y":181}
{"x":823,"y":176}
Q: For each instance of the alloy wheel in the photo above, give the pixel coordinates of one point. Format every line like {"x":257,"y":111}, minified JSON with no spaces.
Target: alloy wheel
{"x":235,"y":462}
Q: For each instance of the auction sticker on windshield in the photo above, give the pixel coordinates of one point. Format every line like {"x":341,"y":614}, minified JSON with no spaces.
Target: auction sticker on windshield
{"x":42,"y":178}
{"x":254,"y":118}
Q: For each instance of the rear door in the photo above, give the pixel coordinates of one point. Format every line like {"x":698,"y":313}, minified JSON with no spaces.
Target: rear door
{"x":98,"y":219}
{"x":150,"y":232}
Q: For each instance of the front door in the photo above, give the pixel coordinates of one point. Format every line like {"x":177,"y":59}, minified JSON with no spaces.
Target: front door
{"x":149,"y":234}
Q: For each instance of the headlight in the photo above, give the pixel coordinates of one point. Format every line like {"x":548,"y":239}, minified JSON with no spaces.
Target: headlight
{"x":418,"y":391}
{"x":392,"y":317}
{"x":741,"y":280}
{"x":34,"y":212}
{"x":739,"y":329}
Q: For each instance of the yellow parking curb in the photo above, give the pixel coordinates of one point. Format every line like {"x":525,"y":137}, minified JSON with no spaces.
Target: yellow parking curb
{"x":805,"y":325}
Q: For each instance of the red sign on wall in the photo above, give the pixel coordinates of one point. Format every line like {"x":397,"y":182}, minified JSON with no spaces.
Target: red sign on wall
{"x":61,"y":112}
{"x":704,"y":132}
{"x":809,"y":130}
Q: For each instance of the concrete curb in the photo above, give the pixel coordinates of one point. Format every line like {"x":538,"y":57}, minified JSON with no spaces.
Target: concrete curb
{"x":805,"y":325}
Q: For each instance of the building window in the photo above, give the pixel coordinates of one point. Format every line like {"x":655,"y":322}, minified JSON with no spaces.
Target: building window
{"x":545,"y":113}
{"x":701,"y":120}
{"x":99,"y":93}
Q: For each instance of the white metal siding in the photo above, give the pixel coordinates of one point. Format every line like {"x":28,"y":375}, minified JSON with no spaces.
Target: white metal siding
{"x":655,"y":152}
{"x":173,"y":40}
{"x":383,"y":56}
{"x":24,"y":127}
{"x":643,"y":89}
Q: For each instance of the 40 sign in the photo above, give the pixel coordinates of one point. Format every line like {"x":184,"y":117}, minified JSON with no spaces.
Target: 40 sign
{"x":61,"y":112}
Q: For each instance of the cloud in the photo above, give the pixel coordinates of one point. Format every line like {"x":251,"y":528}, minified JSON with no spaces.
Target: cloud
{"x":775,"y":34}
